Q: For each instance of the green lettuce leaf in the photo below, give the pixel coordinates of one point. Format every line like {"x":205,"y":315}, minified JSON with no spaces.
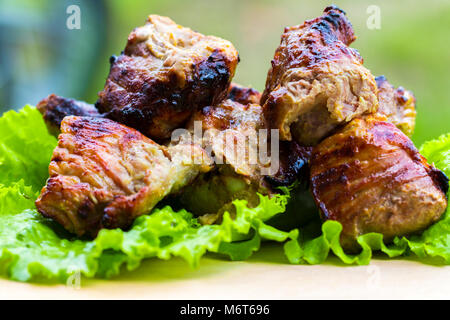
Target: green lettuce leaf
{"x":25,"y":148}
{"x":34,"y":248}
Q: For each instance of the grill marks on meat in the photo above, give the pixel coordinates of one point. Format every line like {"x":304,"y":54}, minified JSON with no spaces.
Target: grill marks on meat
{"x":104,"y":175}
{"x":398,"y":105}
{"x":371,"y":178}
{"x":316,"y":81}
{"x":55,"y":108}
{"x":165,"y":73}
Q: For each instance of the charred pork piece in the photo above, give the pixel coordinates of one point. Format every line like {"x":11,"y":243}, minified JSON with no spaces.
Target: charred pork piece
{"x":55,"y":108}
{"x":165,"y":73}
{"x":398,"y":105}
{"x":317,"y":82}
{"x":371,"y":178}
{"x":104,"y":175}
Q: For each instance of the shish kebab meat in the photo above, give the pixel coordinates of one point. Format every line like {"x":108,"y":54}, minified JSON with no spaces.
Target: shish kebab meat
{"x":367,"y":174}
{"x":165,"y":73}
{"x":333,"y":117}
{"x":371,"y":178}
{"x":104,"y":174}
{"x":316,"y":81}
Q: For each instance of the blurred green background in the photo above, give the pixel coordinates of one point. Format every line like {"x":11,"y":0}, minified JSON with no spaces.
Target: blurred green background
{"x":40,"y":55}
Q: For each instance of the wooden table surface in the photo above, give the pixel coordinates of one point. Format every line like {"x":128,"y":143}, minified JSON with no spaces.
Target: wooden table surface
{"x":265,"y":276}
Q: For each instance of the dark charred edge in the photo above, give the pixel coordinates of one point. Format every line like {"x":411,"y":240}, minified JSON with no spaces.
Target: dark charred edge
{"x":112,"y":59}
{"x":118,"y":213}
{"x":52,"y":183}
{"x":399,"y":93}
{"x":243,"y":95}
{"x":334,"y":19}
{"x":91,"y":216}
{"x":440,"y":179}
{"x":214,"y":74}
{"x":89,"y":127}
{"x":139,"y":108}
{"x":324,"y":213}
{"x":380,"y":80}
{"x":334,"y":7}
{"x":294,"y":165}
{"x":55,"y":108}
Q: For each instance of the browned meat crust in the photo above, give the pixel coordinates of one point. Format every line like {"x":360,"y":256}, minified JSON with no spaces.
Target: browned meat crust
{"x":398,"y":105}
{"x":371,"y":178}
{"x":104,"y":175}
{"x":316,"y":81}
{"x":165,"y":73}
{"x":243,"y":95}
{"x":55,"y":108}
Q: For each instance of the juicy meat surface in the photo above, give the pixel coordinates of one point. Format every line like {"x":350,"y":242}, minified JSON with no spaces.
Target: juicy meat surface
{"x":398,"y":105}
{"x":316,"y":81}
{"x":104,"y":175}
{"x":54,"y":108}
{"x":165,"y":73}
{"x":371,"y":178}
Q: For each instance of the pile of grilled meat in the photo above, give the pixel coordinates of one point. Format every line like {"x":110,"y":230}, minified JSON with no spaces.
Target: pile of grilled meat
{"x":343,"y":131}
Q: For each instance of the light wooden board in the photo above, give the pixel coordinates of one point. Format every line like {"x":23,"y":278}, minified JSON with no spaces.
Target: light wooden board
{"x":264,"y":276}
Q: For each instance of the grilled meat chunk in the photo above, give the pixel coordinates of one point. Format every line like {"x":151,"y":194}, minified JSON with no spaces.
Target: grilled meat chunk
{"x":371,"y":178}
{"x":316,"y":81}
{"x":55,"y":108}
{"x":104,"y":175}
{"x":229,"y":133}
{"x":165,"y":73}
{"x":398,"y":105}
{"x":247,"y":160}
{"x":243,"y":95}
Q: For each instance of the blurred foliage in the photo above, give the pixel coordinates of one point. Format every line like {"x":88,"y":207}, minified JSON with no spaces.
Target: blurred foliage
{"x":41,"y":56}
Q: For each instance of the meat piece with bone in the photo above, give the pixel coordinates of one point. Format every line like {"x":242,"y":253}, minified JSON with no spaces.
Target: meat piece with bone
{"x":371,"y":178}
{"x":165,"y":73}
{"x":316,"y":81}
{"x":104,"y":175}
